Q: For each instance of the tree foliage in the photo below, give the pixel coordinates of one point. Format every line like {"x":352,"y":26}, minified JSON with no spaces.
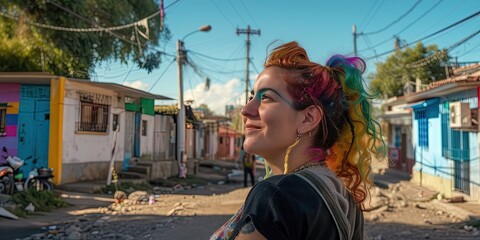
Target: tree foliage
{"x":26,"y":47}
{"x":393,"y":74}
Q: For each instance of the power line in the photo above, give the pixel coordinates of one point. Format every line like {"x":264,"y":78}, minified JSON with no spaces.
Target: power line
{"x":248,"y":12}
{"x":443,"y":54}
{"x":405,"y":28}
{"x":421,"y":16}
{"x":369,"y":11}
{"x":133,"y":65}
{"x":235,"y":9}
{"x":214,"y":58}
{"x":395,"y":21}
{"x":221,"y":12}
{"x":374,"y":13}
{"x":88,"y":20}
{"x":255,"y":67}
{"x":430,"y":35}
{"x":161,"y":75}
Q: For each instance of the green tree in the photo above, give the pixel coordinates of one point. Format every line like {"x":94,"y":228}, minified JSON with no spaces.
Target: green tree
{"x":26,"y":47}
{"x":394,"y":73}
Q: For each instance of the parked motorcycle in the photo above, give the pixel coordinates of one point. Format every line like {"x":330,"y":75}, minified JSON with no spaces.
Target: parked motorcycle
{"x":10,"y":176}
{"x":39,"y":179}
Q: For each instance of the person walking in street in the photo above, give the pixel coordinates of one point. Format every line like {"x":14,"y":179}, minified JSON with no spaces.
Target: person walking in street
{"x":313,"y":125}
{"x":248,"y":163}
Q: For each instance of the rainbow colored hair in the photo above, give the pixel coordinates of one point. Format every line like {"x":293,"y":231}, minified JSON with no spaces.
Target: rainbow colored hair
{"x":348,"y":136}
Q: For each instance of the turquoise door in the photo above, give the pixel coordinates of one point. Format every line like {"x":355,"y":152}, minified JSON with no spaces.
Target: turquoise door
{"x":33,"y":126}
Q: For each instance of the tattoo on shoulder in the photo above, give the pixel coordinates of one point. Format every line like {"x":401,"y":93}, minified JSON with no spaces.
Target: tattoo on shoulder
{"x":248,"y":228}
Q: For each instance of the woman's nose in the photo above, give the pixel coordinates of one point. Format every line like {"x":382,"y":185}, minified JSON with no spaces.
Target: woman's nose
{"x":250,"y":109}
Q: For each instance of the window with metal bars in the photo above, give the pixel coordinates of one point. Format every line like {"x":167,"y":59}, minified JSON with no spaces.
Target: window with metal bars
{"x":421,"y":115}
{"x":93,"y":117}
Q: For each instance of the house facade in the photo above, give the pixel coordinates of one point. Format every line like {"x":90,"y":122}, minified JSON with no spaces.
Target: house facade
{"x":396,"y":125}
{"x":77,"y":127}
{"x":445,"y":133}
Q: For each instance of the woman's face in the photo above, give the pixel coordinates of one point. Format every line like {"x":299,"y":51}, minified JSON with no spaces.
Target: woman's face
{"x":270,"y":120}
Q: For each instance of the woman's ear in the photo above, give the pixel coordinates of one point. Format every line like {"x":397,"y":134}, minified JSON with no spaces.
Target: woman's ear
{"x":312,"y":117}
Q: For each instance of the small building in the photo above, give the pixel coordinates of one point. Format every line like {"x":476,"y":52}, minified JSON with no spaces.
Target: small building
{"x":445,"y":134}
{"x":77,"y":127}
{"x":396,"y":125}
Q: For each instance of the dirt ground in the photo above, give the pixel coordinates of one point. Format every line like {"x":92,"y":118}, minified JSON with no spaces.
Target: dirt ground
{"x":196,"y":213}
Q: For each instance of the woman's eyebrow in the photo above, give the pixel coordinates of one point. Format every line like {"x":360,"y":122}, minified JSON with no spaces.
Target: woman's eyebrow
{"x":262,"y":90}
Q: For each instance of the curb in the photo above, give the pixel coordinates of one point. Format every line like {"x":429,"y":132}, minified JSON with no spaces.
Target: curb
{"x":453,"y":210}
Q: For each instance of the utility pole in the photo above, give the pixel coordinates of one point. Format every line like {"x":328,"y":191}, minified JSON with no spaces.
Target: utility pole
{"x":354,"y":29}
{"x":181,"y":107}
{"x":247,"y":31}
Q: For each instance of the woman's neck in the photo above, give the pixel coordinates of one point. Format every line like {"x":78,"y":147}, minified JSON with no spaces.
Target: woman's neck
{"x":298,"y":156}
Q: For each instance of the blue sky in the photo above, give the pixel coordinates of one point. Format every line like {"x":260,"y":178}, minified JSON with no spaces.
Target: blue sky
{"x":323,"y":27}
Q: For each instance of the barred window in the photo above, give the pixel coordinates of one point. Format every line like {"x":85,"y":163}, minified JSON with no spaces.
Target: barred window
{"x":94,"y":112}
{"x":93,"y":117}
{"x":422,"y":128}
{"x":3,"y":119}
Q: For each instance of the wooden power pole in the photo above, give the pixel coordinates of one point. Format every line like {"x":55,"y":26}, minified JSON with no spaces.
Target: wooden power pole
{"x":247,"y":31}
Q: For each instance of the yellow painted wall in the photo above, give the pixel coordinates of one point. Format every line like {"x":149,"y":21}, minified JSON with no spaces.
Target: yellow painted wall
{"x":57,"y":96}
{"x":442,"y":185}
{"x":13,"y":107}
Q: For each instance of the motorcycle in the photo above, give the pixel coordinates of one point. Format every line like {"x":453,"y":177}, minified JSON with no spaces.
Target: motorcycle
{"x":10,"y":176}
{"x":38,"y":179}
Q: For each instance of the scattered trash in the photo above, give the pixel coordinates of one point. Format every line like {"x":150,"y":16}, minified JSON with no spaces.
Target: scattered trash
{"x":119,"y":197}
{"x":5,"y":213}
{"x":30,"y":208}
{"x":151,"y":200}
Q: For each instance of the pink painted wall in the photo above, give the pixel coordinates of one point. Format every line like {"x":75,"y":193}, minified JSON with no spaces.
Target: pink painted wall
{"x":10,"y":94}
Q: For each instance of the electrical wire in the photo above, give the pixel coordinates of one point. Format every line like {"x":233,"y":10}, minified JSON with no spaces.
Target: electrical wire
{"x":214,"y":58}
{"x":214,"y":4}
{"x":374,"y":13}
{"x":395,"y":21}
{"x":133,"y":65}
{"x":405,"y":28}
{"x":119,"y":36}
{"x":235,"y":9}
{"x":161,"y":75}
{"x":368,"y":14}
{"x":248,"y":12}
{"x":430,"y":35}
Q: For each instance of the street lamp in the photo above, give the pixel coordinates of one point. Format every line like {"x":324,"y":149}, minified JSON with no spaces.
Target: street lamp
{"x":181,"y":59}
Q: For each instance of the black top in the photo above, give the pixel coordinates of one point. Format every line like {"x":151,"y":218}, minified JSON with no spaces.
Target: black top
{"x":287,"y":207}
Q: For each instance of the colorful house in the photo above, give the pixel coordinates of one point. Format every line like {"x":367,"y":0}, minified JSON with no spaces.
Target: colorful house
{"x":397,"y":129}
{"x":445,"y":134}
{"x":77,"y":127}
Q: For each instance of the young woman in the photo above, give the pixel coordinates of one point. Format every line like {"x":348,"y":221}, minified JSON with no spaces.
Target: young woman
{"x":313,"y":126}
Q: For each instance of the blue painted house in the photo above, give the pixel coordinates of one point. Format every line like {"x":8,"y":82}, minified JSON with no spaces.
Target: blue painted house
{"x":444,"y":132}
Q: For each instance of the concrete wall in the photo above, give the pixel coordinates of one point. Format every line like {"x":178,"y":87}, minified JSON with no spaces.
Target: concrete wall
{"x":440,"y":184}
{"x":161,"y":142}
{"x":163,"y":169}
{"x":146,"y":142}
{"x":86,"y":156}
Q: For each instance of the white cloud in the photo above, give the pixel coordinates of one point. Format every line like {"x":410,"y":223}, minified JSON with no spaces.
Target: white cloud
{"x":218,"y":96}
{"x":137,"y":84}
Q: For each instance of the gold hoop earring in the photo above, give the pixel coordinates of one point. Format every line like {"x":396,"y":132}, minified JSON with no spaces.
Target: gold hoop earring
{"x":285,"y":161}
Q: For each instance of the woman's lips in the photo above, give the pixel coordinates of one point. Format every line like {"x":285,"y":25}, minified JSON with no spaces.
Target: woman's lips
{"x":249,"y":127}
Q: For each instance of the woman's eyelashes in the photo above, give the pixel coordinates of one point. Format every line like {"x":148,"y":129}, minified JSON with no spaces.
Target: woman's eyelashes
{"x":264,"y":97}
